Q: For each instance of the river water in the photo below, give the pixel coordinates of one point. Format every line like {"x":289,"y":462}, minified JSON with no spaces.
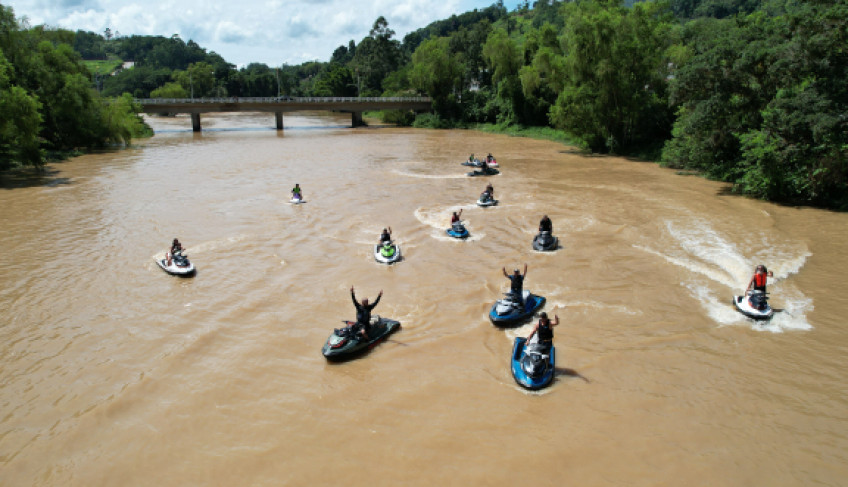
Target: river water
{"x":115,"y":373}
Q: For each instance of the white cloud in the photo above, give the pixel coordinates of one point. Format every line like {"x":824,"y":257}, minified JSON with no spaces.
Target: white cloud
{"x":230,"y":33}
{"x":266,"y":31}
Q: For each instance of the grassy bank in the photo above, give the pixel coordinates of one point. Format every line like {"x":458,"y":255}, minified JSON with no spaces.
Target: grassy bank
{"x":540,"y":133}
{"x":103,"y":68}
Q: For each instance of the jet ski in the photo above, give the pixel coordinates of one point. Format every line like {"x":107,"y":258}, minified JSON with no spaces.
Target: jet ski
{"x":458,"y":230}
{"x":486,"y":200}
{"x":544,"y":241}
{"x":533,"y":364}
{"x":180,"y":265}
{"x":387,"y":252}
{"x":492,"y":163}
{"x":345,"y":343}
{"x":296,"y":199}
{"x":509,"y":311}
{"x":754,"y":305}
{"x":474,"y":163}
{"x":484,"y":171}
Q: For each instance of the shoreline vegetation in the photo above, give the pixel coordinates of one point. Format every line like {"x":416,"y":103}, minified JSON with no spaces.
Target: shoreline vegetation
{"x":748,"y":92}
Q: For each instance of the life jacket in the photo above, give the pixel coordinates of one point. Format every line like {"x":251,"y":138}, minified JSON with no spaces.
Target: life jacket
{"x":546,"y":334}
{"x":760,"y":280}
{"x":516,"y":283}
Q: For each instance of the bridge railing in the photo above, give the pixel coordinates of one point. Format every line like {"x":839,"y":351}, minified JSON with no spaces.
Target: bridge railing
{"x":283,"y":99}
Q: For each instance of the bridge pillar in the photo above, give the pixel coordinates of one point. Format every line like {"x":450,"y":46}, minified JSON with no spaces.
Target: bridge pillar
{"x":356,"y":119}
{"x":195,"y":122}
{"x":279,"y":117}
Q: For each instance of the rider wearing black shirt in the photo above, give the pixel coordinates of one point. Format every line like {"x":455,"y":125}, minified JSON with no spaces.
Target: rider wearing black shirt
{"x":516,"y":284}
{"x":544,"y":331}
{"x":363,"y":312}
{"x":545,"y":225}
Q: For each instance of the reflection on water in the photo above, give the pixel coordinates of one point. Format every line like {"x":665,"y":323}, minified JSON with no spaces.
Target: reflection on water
{"x":111,"y":369}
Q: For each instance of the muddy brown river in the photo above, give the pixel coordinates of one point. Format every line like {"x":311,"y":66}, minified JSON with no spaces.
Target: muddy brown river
{"x":113,"y":372}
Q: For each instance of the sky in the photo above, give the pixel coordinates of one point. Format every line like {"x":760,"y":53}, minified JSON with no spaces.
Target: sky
{"x":273,"y":32}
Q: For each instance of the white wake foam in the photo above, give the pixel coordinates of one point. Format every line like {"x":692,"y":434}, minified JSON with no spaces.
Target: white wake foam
{"x":707,"y":254}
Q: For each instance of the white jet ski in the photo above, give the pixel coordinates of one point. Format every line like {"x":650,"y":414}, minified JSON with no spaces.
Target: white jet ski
{"x":486,"y":200}
{"x":387,"y":253}
{"x":180,"y":265}
{"x":754,"y":305}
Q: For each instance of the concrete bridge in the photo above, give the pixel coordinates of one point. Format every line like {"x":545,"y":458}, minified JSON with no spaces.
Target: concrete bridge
{"x":279,"y":105}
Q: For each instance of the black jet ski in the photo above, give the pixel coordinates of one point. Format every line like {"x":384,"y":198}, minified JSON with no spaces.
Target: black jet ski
{"x":544,"y":241}
{"x":345,"y":343}
{"x":180,"y":265}
{"x":754,"y":305}
{"x":533,"y":364}
{"x":484,"y":171}
{"x":509,"y":311}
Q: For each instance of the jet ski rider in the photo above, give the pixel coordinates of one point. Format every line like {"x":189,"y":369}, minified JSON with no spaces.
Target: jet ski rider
{"x":455,"y":217}
{"x":488,"y":194}
{"x":363,"y":313}
{"x":543,"y":332}
{"x":176,"y":249}
{"x":516,"y":283}
{"x":386,"y":236}
{"x":296,"y":193}
{"x":545,"y":225}
{"x":758,"y":281}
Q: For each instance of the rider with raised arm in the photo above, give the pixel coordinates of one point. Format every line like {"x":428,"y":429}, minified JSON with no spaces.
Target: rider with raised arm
{"x":363,"y":313}
{"x":516,"y":283}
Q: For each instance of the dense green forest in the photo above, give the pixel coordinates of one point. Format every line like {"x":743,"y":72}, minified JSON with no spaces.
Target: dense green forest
{"x":48,"y":106}
{"x":751,"y":92}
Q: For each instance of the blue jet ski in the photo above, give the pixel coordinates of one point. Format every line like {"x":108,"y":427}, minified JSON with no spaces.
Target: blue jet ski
{"x":458,"y":230}
{"x":509,"y":311}
{"x":533,"y":365}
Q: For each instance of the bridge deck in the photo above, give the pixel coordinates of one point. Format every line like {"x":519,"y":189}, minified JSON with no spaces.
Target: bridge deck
{"x":281,"y":104}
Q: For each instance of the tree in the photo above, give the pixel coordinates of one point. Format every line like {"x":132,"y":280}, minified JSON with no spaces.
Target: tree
{"x":505,"y":60}
{"x":169,"y":90}
{"x":19,"y":122}
{"x":437,"y":72}
{"x":198,"y":80}
{"x":336,"y":80}
{"x":613,"y":96}
{"x":376,"y":56}
{"x":762,"y":102}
